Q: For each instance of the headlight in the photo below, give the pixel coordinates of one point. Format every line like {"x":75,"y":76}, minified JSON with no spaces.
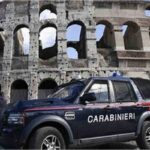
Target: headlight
{"x":16,"y":118}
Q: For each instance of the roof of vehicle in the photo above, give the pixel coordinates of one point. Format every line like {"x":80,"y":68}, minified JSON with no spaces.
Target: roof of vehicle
{"x":74,"y":81}
{"x":118,"y":78}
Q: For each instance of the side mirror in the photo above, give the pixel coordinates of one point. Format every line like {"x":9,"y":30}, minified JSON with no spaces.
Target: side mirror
{"x":89,"y":97}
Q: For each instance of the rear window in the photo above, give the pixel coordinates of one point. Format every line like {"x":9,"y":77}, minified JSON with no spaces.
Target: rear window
{"x":124,"y":91}
{"x":144,"y":87}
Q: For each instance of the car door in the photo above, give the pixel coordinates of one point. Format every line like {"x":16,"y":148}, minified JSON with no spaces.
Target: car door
{"x":95,"y":121}
{"x":127,"y":111}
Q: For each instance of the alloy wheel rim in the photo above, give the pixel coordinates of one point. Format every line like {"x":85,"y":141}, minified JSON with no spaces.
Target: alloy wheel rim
{"x":51,"y":142}
{"x":147,"y":136}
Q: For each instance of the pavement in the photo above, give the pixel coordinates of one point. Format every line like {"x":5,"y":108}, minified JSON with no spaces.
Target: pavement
{"x":124,"y":145}
{"x":1,"y":148}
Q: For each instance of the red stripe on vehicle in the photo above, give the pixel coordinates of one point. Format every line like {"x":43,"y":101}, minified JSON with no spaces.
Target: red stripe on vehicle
{"x":50,"y":108}
{"x":111,"y":105}
{"x":145,"y":103}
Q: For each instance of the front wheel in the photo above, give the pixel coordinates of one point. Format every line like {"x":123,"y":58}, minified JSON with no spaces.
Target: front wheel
{"x":47,"y":138}
{"x":143,"y":140}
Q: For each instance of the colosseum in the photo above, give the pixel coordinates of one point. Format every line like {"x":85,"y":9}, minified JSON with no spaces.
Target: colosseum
{"x":124,"y":46}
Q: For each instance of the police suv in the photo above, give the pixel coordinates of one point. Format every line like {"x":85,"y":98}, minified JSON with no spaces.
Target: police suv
{"x":81,"y":112}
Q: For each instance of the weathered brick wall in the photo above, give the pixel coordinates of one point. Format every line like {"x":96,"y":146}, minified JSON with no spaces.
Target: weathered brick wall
{"x":61,"y":69}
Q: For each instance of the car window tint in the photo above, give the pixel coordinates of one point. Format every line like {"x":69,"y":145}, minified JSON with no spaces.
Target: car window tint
{"x":101,"y":91}
{"x":123,"y":91}
{"x":144,"y":87}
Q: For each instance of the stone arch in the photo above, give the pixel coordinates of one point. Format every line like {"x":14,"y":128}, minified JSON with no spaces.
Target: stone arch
{"x":78,"y":43}
{"x":132,"y":36}
{"x":46,"y":87}
{"x":21,"y":39}
{"x":105,"y":35}
{"x":48,"y":12}
{"x":19,"y":90}
{"x":47,"y":25}
{"x":50,"y":7}
{"x":48,"y":47}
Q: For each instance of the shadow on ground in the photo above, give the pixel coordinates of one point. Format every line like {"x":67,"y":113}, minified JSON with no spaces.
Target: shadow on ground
{"x":123,"y":145}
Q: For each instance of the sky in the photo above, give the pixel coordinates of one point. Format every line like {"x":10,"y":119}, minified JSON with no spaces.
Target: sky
{"x":49,"y":40}
{"x":73,"y":34}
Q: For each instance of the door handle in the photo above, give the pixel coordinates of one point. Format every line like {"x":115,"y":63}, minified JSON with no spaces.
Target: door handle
{"x":107,"y":107}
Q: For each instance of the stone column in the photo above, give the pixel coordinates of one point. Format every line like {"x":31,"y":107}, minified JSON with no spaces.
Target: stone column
{"x":91,"y":48}
{"x":62,"y":77}
{"x":8,"y":48}
{"x":145,"y":38}
{"x":6,"y":87}
{"x":92,"y":55}
{"x":8,"y":51}
{"x":62,"y":59}
{"x":33,"y":86}
{"x":34,"y":35}
{"x":119,"y":41}
{"x":34,"y":51}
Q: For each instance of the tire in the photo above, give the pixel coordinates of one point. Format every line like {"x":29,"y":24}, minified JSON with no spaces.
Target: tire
{"x":142,"y":141}
{"x":47,"y":137}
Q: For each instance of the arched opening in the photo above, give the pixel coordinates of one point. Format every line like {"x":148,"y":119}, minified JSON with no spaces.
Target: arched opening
{"x":47,"y":15}
{"x":76,"y":38}
{"x":46,"y":38}
{"x":48,"y":42}
{"x":72,"y":53}
{"x":105,"y":35}
{"x":21,"y":44}
{"x":74,"y":32}
{"x":147,"y":11}
{"x":149,"y":32}
{"x":2,"y":100}
{"x":19,"y":90}
{"x":48,"y":12}
{"x":147,"y":14}
{"x":132,"y":36}
{"x":2,"y":42}
{"x":46,"y":88}
{"x":21,"y":40}
{"x":105,"y":41}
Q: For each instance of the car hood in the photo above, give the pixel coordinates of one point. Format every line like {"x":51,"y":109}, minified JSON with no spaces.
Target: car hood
{"x":29,"y":104}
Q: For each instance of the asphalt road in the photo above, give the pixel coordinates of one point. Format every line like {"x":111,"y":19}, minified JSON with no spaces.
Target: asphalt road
{"x":124,"y":145}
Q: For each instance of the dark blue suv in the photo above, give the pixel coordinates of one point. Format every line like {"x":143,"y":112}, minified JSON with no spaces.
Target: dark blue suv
{"x":81,"y":112}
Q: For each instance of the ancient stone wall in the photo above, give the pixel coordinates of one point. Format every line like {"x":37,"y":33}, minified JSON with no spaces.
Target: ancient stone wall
{"x":42,"y":70}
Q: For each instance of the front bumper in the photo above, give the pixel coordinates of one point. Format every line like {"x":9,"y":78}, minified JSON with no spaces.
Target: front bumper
{"x":9,"y":139}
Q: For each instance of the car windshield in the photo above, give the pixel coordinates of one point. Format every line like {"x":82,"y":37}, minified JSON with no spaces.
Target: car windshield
{"x":68,"y":91}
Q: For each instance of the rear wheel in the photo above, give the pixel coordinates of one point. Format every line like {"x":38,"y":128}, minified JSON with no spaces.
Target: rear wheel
{"x":47,"y":138}
{"x":143,"y":139}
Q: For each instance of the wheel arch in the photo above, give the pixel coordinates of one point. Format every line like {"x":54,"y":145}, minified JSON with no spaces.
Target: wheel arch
{"x":145,"y":117}
{"x":53,"y":121}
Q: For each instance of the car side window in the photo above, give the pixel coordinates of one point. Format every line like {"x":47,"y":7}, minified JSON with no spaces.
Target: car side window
{"x":101,"y":91}
{"x":124,"y":91}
